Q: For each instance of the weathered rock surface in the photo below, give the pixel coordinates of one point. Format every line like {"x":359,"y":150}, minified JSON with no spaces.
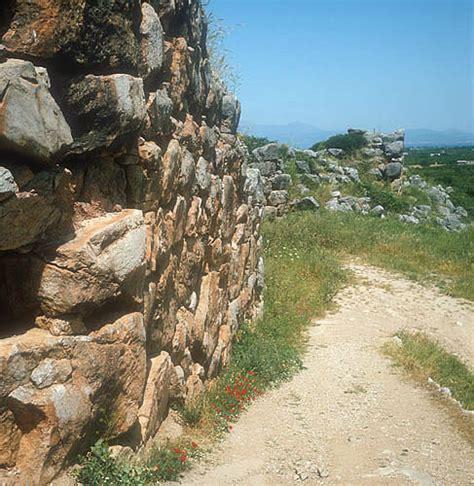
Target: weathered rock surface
{"x":57,"y":388}
{"x":95,"y":35}
{"x":155,"y":399}
{"x":393,"y":170}
{"x":105,"y":108}
{"x":32,"y":123}
{"x":129,"y":234}
{"x":103,"y":261}
{"x":8,"y":185}
{"x":394,"y":149}
{"x":37,"y":210}
{"x":267,"y":152}
{"x":152,"y":48}
{"x":307,"y":203}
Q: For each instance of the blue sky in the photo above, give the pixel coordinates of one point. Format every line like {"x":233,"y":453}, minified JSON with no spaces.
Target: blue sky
{"x":336,"y":63}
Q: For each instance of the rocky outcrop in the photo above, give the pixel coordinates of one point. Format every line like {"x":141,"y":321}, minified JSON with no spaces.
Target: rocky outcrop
{"x":129,"y":225}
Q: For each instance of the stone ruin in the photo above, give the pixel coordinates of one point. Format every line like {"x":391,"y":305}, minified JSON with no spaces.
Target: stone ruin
{"x":382,"y":157}
{"x":129,"y":230}
{"x":330,"y":166}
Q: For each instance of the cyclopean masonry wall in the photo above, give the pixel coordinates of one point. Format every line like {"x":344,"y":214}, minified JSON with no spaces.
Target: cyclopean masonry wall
{"x":129,"y":233}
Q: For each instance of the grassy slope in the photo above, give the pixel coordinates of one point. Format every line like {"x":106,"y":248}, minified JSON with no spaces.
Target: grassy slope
{"x":427,"y":254}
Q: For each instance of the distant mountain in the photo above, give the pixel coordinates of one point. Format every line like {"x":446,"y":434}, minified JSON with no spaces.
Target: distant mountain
{"x":304,"y":135}
{"x":422,"y":137}
{"x":298,"y":135}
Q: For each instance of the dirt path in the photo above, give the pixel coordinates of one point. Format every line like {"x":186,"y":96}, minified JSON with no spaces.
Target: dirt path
{"x":349,"y":418}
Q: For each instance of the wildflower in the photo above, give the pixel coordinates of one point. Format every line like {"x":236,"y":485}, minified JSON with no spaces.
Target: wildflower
{"x":194,"y":445}
{"x":177,"y":450}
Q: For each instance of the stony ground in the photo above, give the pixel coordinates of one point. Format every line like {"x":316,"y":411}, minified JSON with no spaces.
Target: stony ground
{"x":350,"y":418}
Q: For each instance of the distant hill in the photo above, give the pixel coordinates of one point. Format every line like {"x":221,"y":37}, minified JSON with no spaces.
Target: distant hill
{"x":298,"y":135}
{"x":304,"y":135}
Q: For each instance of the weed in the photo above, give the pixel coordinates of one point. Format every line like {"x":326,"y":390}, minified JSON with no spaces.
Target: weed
{"x":424,"y":358}
{"x":99,"y":468}
{"x":165,"y":463}
{"x":170,"y":460}
{"x":191,"y":412}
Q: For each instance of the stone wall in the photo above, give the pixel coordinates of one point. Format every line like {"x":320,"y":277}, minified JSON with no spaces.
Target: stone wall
{"x":129,"y":232}
{"x":334,"y":167}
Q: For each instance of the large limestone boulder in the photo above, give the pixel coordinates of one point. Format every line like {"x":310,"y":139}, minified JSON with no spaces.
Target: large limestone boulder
{"x":393,"y":170}
{"x":32,"y":124}
{"x":104,"y":108}
{"x":253,"y":186}
{"x":8,"y":185}
{"x":160,"y":108}
{"x":155,"y":399}
{"x":57,"y":392}
{"x":396,"y":136}
{"x":41,"y":207}
{"x":230,"y":113}
{"x":281,"y":182}
{"x":103,"y":261}
{"x":270,"y":151}
{"x":151,"y":42}
{"x":208,"y":316}
{"x":394,"y":150}
{"x":85,"y":33}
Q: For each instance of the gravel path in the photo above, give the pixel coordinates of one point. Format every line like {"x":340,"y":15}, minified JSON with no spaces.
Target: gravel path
{"x":350,"y":418}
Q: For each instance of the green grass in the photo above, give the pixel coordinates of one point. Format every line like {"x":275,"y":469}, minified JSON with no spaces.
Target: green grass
{"x":425,"y":253}
{"x":423,"y":358}
{"x":443,"y":169}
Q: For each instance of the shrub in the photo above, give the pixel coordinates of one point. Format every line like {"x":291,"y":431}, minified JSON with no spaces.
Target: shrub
{"x":191,"y":412}
{"x":349,"y":142}
{"x":99,"y":468}
{"x":168,"y":462}
{"x":165,"y":463}
{"x":381,"y":193}
{"x":253,"y":142}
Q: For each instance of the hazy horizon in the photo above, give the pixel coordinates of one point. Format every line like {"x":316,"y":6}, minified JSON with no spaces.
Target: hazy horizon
{"x":339,"y":63}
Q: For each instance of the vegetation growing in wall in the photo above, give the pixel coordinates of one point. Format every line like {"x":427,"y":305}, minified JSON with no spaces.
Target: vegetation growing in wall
{"x":219,"y":55}
{"x":301,"y":283}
